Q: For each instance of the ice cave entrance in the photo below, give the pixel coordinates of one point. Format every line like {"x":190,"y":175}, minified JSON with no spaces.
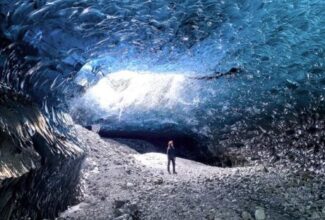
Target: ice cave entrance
{"x":151,"y":106}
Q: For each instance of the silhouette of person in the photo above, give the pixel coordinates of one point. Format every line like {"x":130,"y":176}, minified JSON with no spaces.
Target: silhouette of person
{"x":171,"y":156}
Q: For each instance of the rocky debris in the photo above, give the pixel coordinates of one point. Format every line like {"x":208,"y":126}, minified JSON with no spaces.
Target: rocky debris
{"x":260,"y":214}
{"x":125,"y":210}
{"x":158,"y":181}
{"x":124,"y":217}
{"x":119,"y":203}
{"x":211,"y":215}
{"x":197,"y":192}
{"x":246,"y":216}
{"x":129,"y":185}
{"x":290,"y":144}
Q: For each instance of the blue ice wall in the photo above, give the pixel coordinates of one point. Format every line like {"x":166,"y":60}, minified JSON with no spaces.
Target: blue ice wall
{"x":278,"y":45}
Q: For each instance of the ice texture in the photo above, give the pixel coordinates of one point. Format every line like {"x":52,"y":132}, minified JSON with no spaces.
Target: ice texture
{"x":132,"y":64}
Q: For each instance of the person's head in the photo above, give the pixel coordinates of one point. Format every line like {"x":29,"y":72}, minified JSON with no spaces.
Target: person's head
{"x":171,"y":143}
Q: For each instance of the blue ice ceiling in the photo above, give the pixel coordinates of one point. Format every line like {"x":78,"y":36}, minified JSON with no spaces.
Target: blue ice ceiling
{"x":132,"y":64}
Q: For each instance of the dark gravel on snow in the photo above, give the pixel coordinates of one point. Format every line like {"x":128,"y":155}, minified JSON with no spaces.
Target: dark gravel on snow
{"x":119,"y":183}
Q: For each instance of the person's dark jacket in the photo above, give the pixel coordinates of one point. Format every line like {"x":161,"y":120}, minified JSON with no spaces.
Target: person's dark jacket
{"x":171,"y":153}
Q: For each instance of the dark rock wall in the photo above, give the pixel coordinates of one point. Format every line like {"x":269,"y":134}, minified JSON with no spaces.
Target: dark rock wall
{"x":297,"y":141}
{"x":39,"y":167}
{"x":40,"y":193}
{"x":39,"y":159}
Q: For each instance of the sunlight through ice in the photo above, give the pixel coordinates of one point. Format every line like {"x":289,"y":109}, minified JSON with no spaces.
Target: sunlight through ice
{"x":137,"y":91}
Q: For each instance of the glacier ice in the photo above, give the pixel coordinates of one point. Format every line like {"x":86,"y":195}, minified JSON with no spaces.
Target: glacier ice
{"x":78,"y":46}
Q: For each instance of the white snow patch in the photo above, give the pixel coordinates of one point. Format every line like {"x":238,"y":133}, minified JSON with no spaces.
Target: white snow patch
{"x":72,"y":209}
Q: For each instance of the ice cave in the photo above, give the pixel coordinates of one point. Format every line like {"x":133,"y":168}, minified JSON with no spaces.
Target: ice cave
{"x":93,"y":91}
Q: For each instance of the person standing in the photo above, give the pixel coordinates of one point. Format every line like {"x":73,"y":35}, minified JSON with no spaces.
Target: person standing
{"x":171,"y":156}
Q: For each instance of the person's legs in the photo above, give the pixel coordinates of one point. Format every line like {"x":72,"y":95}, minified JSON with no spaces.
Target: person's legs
{"x":168,"y":165}
{"x":174,"y":165}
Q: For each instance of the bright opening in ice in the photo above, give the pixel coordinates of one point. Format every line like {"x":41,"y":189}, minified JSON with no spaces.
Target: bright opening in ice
{"x":139,"y":99}
{"x":125,"y":90}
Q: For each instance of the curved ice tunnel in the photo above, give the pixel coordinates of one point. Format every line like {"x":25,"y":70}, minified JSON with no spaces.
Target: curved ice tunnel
{"x":56,"y":54}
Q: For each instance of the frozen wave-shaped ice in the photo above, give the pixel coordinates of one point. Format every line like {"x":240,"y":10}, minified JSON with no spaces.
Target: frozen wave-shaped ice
{"x":279,"y":45}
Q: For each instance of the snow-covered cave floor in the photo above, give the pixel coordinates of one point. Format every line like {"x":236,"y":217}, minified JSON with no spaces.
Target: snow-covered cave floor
{"x":119,"y":183}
